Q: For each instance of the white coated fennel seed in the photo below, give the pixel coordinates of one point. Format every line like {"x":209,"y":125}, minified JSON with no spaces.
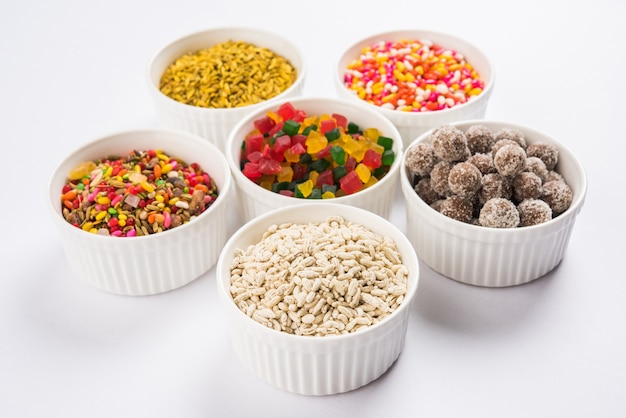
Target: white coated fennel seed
{"x":327,"y":278}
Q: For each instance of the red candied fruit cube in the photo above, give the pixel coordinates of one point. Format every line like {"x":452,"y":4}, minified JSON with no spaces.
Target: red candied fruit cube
{"x":254,"y":143}
{"x":350,"y":164}
{"x":327,"y":125}
{"x":281,"y":144}
{"x":324,"y":152}
{"x":276,"y":128}
{"x":350,"y":183}
{"x":298,"y":148}
{"x":286,"y":192}
{"x":255,"y":156}
{"x":325,"y":177}
{"x":298,"y":139}
{"x":286,"y":111}
{"x":342,"y":121}
{"x":299,"y":116}
{"x":251,"y":171}
{"x":372,"y":159}
{"x":269,"y":166}
{"x":264,"y":124}
{"x":299,"y":171}
{"x":276,"y":156}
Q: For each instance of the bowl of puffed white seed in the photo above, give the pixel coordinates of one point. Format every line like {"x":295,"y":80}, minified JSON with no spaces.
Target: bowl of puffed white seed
{"x":318,"y":296}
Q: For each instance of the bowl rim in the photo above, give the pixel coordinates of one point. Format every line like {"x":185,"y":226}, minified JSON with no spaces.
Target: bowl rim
{"x":264,"y":219}
{"x":338,"y":70}
{"x":55,"y":174}
{"x":471,"y":229}
{"x":156,"y":92}
{"x":233,"y":160}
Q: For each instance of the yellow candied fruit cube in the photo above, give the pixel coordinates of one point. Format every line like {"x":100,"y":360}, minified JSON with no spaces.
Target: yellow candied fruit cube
{"x":266,"y":181}
{"x":306,"y":188}
{"x":372,"y":181}
{"x":286,"y":174}
{"x":371,"y":133}
{"x":363,"y":172}
{"x":328,"y":195}
{"x":313,"y":176}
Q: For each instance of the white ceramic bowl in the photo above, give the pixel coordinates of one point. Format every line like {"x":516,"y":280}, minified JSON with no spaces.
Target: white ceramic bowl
{"x":254,"y":200}
{"x":494,"y":257}
{"x":150,"y":264}
{"x":325,"y":364}
{"x":413,"y":124}
{"x":212,"y":123}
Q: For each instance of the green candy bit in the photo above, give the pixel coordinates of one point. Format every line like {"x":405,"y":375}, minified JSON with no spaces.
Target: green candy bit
{"x":353,"y":128}
{"x":297,"y":193}
{"x":329,"y":188}
{"x":315,"y":194}
{"x":319,"y":165}
{"x":112,"y":211}
{"x":385,"y":142}
{"x":380,"y":171}
{"x":80,"y":186}
{"x":283,"y":185}
{"x":333,"y":134}
{"x":388,"y":157}
{"x":339,"y":172}
{"x":308,"y":129}
{"x":306,"y":158}
{"x":338,"y":154}
{"x":291,"y":127}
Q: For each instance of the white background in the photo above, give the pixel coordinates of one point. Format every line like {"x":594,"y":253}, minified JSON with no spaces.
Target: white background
{"x":74,"y":70}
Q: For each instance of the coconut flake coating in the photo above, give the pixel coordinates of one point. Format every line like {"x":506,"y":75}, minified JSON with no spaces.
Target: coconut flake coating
{"x":480,"y":139}
{"x":464,"y":179}
{"x":494,"y":185}
{"x":558,"y":195}
{"x":425,"y":190}
{"x":450,"y":144}
{"x":499,"y":213}
{"x":439,"y":178}
{"x":527,"y":185}
{"x":510,"y":169}
{"x":548,"y":153}
{"x":512,"y":135}
{"x":458,"y":208}
{"x":533,"y":212}
{"x":484,"y":162}
{"x":420,"y":159}
{"x":537,"y":166}
{"x":510,"y":160}
{"x":499,"y":144}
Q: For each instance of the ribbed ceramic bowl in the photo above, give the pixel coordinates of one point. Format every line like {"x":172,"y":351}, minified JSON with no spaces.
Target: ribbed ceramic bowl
{"x":214,"y":124}
{"x":316,"y":365}
{"x":144,"y":265}
{"x":254,"y":200}
{"x":494,"y":257}
{"x":413,"y":124}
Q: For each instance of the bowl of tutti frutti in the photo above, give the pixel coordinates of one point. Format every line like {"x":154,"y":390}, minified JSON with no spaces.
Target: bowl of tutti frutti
{"x":306,"y":149}
{"x":141,"y":212}
{"x":491,"y":203}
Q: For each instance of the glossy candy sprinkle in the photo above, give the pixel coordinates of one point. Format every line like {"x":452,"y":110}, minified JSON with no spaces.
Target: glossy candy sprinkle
{"x":143,"y":193}
{"x":314,"y":156}
{"x":412,"y":76}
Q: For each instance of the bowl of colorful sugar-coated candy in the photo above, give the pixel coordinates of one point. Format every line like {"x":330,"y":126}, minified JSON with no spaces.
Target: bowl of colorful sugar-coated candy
{"x":418,"y":79}
{"x":491,"y":203}
{"x":206,"y":81}
{"x":304,"y":149}
{"x":142,"y":212}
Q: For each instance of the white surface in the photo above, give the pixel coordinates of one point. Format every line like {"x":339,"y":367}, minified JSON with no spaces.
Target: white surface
{"x":73,"y":71}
